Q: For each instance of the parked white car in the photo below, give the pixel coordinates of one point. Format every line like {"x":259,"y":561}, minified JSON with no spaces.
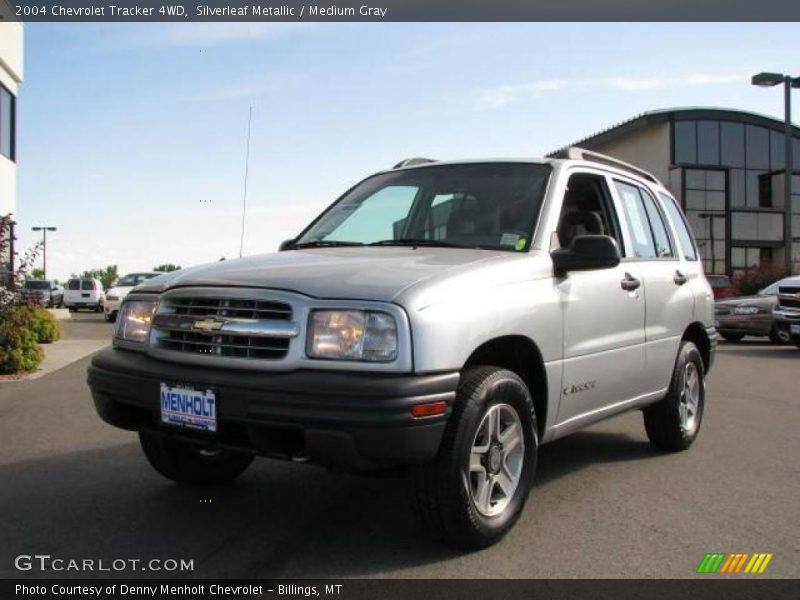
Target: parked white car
{"x":84,"y":292}
{"x":116,"y":294}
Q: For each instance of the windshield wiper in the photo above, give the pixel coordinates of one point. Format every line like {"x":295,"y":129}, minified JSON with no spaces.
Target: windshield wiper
{"x":323,"y":244}
{"x":416,"y":242}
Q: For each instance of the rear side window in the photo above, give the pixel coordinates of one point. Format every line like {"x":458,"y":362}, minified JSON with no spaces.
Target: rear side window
{"x":74,"y":284}
{"x":681,"y":229}
{"x":87,"y":284}
{"x":638,"y":223}
{"x":657,"y":226}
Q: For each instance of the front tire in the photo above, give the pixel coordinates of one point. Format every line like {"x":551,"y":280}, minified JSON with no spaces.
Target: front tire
{"x":473,"y":492}
{"x":673,"y":423}
{"x":779,"y":336}
{"x":192,"y":465}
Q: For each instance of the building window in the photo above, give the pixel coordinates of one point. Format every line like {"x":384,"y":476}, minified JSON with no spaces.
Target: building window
{"x":7,"y":122}
{"x":704,"y":205}
{"x":732,"y":144}
{"x":685,"y":142}
{"x":748,"y":258}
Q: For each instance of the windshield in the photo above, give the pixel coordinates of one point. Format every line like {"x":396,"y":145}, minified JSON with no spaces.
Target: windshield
{"x":486,"y":205}
{"x":134,"y":279}
{"x":37,"y":285}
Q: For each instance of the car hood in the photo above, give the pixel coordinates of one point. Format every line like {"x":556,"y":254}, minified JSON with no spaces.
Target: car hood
{"x":119,"y":291}
{"x":331,"y":273}
{"x":739,"y":300}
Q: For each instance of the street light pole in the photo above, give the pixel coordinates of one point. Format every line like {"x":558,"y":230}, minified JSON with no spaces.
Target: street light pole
{"x":44,"y":229}
{"x":788,"y":172}
{"x":789,"y":82}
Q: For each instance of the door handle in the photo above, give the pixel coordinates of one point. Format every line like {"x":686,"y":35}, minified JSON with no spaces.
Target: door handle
{"x":679,"y":278}
{"x":630,"y":283}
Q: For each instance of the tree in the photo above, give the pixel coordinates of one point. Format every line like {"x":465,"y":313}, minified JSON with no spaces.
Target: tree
{"x":166,"y":268}
{"x":37,"y":273}
{"x":107,"y":276}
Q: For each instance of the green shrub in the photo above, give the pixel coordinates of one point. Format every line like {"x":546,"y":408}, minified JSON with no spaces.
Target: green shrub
{"x":44,"y":325}
{"x":757,"y":278}
{"x":19,"y":350}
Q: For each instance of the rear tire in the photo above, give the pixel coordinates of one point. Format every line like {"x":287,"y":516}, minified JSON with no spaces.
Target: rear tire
{"x":192,"y":465}
{"x":673,"y":423}
{"x":732,"y":337}
{"x":473,"y":492}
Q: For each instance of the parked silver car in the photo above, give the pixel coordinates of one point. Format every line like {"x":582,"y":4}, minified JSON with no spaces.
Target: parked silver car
{"x":787,"y":313}
{"x":445,"y":316}
{"x":739,"y":316}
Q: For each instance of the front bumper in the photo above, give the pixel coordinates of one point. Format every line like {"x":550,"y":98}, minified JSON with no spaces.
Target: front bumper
{"x":788,"y":319}
{"x":343,"y":419}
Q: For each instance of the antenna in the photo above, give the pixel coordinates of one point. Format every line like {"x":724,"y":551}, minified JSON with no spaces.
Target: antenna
{"x":246,"y":173}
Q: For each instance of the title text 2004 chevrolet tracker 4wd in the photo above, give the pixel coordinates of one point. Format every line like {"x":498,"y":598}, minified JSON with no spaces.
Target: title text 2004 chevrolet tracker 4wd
{"x":446,"y":316}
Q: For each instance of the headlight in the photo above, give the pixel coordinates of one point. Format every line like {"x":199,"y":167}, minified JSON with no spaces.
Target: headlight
{"x":352,"y":335}
{"x":133,"y":321}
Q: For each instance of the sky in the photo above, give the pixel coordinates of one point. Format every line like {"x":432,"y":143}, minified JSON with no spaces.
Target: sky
{"x":132,"y":137}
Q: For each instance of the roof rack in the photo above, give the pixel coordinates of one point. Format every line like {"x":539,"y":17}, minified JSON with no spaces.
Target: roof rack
{"x":574,"y":152}
{"x":410,"y":162}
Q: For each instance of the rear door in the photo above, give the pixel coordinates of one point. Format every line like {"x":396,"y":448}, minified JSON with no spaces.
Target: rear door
{"x":72,"y":292}
{"x":667,"y":293}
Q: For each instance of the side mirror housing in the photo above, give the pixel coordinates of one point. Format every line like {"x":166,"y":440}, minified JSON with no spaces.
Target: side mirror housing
{"x":286,"y":245}
{"x":587,"y":252}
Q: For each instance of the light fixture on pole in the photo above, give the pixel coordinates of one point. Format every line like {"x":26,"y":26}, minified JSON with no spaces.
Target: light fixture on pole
{"x":44,"y":229}
{"x":789,"y":82}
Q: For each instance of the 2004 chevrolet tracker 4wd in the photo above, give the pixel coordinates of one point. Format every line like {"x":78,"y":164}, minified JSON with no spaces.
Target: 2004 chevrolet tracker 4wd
{"x":445,"y":316}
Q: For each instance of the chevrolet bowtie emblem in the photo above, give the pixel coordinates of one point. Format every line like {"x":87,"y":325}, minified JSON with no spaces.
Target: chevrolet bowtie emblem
{"x":208,"y":324}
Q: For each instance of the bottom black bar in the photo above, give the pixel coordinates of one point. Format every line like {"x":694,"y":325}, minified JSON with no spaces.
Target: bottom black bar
{"x":391,"y":589}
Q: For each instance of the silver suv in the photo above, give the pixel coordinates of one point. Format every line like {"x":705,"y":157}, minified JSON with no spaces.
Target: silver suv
{"x":448,"y":317}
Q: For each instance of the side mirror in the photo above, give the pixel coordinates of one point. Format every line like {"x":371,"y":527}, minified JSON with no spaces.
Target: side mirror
{"x":586,"y":253}
{"x":286,"y":245}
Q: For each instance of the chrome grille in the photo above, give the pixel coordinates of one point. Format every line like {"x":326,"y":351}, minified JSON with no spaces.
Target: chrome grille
{"x":228,"y":327}
{"x":231,"y":307}
{"x":236,"y":346}
{"x":789,"y":296}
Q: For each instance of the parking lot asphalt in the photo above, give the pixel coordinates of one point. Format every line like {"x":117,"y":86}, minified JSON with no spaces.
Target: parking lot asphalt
{"x":604,"y":505}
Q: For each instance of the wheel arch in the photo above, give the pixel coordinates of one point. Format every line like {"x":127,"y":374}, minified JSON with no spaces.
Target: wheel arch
{"x":521,"y":355}
{"x":696,"y":333}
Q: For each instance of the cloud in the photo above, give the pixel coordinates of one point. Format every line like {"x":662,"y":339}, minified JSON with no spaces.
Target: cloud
{"x":504,"y":95}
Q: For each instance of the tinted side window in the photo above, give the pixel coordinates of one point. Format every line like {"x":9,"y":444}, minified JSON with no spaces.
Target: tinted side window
{"x":638,"y":223}
{"x":587,"y":210}
{"x":657,"y":226}
{"x":679,"y":223}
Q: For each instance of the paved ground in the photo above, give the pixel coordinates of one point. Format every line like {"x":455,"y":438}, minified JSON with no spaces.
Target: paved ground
{"x":605,"y":504}
{"x":83,"y":334}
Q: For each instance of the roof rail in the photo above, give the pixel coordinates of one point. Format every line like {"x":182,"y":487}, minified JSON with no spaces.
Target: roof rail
{"x":574,"y":152}
{"x":410,"y":162}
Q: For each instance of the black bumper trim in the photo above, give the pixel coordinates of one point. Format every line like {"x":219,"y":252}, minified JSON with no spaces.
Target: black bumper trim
{"x":350,"y":419}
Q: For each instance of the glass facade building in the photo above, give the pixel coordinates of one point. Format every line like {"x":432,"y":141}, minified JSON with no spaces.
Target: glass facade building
{"x":727,"y":169}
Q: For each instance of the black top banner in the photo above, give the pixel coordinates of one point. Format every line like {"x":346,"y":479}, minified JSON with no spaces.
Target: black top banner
{"x":399,"y":10}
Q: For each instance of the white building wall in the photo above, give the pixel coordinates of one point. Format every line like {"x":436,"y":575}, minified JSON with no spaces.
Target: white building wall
{"x":11,"y":72}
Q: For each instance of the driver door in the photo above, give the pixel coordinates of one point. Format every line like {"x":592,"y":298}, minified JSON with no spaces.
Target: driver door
{"x":604,"y":310}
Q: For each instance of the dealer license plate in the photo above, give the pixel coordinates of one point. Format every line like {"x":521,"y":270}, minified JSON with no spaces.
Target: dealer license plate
{"x":795,"y":329}
{"x":188,"y":407}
